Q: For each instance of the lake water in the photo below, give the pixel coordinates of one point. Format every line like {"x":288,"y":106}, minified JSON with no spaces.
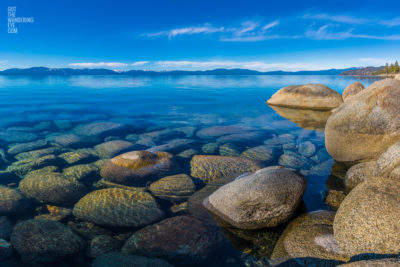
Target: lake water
{"x":42,"y":108}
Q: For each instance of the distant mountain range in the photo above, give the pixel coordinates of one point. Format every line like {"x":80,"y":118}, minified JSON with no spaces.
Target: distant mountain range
{"x":70,"y":71}
{"x":366,"y":71}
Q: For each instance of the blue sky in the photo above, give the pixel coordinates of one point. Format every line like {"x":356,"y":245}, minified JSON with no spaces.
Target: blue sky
{"x":192,"y":34}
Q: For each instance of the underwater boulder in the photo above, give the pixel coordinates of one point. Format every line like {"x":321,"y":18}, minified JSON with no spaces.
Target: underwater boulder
{"x":118,"y":259}
{"x":176,"y":187}
{"x":45,"y":241}
{"x":118,"y":207}
{"x":12,"y":202}
{"x":211,"y":168}
{"x":181,"y":239}
{"x":138,"y":167}
{"x":52,"y":187}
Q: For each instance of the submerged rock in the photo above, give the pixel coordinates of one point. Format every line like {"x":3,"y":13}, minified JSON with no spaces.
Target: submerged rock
{"x":266,"y":198}
{"x":5,"y":249}
{"x":352,"y":90}
{"x":182,"y":239}
{"x":24,"y":147}
{"x":176,"y":187}
{"x":217,"y":131}
{"x":45,"y":241}
{"x":113,"y":148}
{"x":78,"y":156}
{"x":138,"y":167}
{"x":68,"y":139}
{"x":102,"y":244}
{"x":307,"y":149}
{"x":212,"y":168}
{"x":364,"y":127}
{"x":294,"y":160}
{"x":210,"y":148}
{"x":229,"y":150}
{"x":12,"y":202}
{"x":265,"y":154}
{"x":307,"y":96}
{"x":52,"y":187}
{"x":309,"y":241}
{"x":118,"y":259}
{"x":6,"y":226}
{"x":389,"y":262}
{"x":32,"y":155}
{"x":195,"y":203}
{"x":97,"y":128}
{"x":22,"y":167}
{"x":118,"y":207}
{"x":17,"y":136}
{"x":367,"y":221}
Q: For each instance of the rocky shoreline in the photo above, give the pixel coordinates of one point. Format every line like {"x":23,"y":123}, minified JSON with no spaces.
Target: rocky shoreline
{"x":107,"y":193}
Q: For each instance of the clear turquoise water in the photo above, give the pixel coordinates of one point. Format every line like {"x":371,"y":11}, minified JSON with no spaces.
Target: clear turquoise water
{"x":145,"y":104}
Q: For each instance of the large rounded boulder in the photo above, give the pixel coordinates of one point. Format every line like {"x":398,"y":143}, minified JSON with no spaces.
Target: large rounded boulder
{"x":266,"y":198}
{"x":138,"y":167}
{"x":352,"y":90}
{"x":309,"y":240}
{"x":367,"y":221}
{"x":366,"y":125}
{"x":182,"y":239}
{"x":307,"y":96}
{"x":52,"y":187}
{"x":45,"y":240}
{"x":118,"y":207}
{"x":12,"y":202}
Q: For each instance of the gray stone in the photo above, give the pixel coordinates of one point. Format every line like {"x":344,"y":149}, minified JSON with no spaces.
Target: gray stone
{"x":176,"y":187}
{"x":266,"y":198}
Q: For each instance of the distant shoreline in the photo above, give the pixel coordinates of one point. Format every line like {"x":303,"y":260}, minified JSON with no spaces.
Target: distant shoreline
{"x":44,"y":71}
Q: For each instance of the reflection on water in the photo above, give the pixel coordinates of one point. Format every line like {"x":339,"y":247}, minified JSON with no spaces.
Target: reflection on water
{"x":55,"y":128}
{"x":304,"y":118}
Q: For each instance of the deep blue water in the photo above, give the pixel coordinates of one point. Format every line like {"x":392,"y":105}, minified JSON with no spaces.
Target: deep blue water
{"x":145,"y":104}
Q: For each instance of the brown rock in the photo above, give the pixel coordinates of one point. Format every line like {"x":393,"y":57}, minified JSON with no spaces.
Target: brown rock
{"x":307,"y":96}
{"x":352,"y":90}
{"x":138,"y":167}
{"x":366,"y":125}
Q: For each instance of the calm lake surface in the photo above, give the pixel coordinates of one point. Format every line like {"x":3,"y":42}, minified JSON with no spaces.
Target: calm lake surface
{"x":40,"y":108}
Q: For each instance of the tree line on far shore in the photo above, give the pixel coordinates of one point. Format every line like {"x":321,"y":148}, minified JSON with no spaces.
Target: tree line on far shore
{"x":389,"y":69}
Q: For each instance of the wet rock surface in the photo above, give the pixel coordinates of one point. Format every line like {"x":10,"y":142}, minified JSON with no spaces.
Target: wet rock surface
{"x":181,"y":239}
{"x":266,"y":198}
{"x":176,"y":187}
{"x":52,"y":187}
{"x":212,"y":168}
{"x":138,"y":167}
{"x":45,"y":241}
{"x":118,"y":207}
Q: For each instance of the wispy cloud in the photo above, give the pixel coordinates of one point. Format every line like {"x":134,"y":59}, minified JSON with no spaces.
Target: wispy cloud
{"x":247,"y":31}
{"x":253,"y":65}
{"x":327,"y":32}
{"x":353,"y":20}
{"x":139,"y":63}
{"x":203,"y":29}
{"x":98,"y":64}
